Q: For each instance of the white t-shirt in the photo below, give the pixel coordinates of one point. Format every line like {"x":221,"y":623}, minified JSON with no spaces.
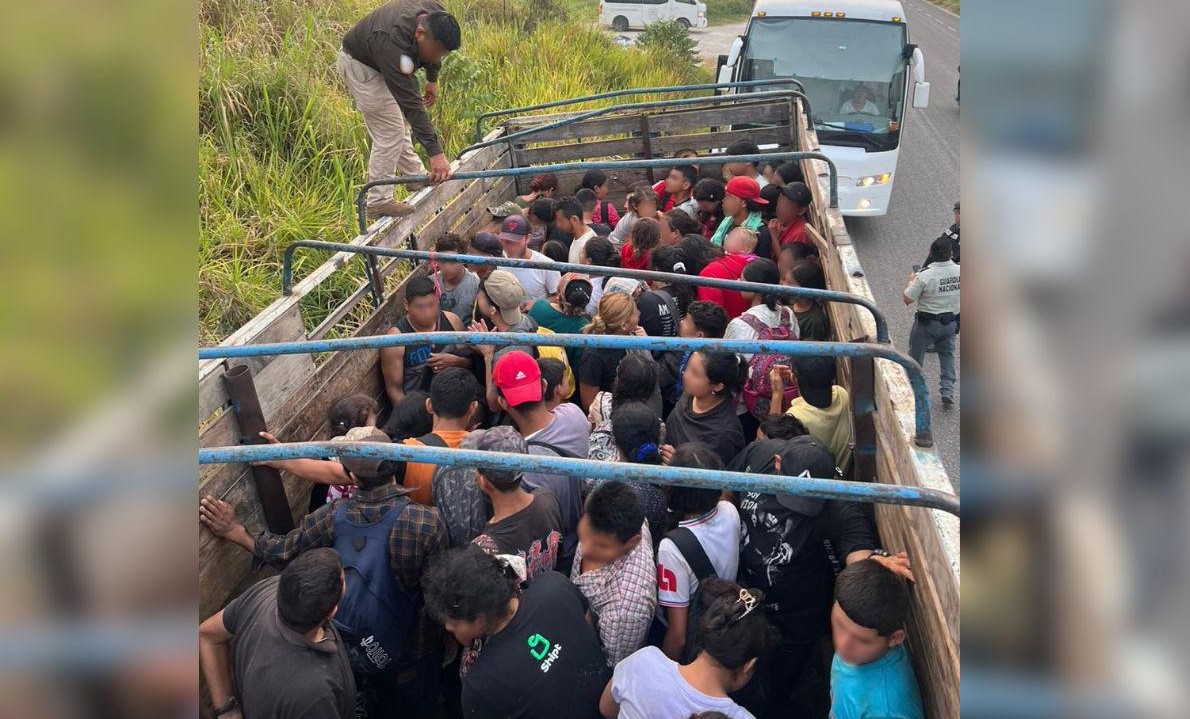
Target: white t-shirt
{"x":718,"y":531}
{"x":576,"y":247}
{"x":869,"y":108}
{"x":537,"y":283}
{"x":738,"y":329}
{"x":648,"y":685}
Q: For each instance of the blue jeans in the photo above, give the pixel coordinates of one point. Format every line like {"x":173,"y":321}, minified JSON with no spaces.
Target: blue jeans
{"x":932,"y":333}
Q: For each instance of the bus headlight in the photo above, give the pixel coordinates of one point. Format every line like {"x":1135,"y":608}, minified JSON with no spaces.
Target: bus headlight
{"x":882,"y":179}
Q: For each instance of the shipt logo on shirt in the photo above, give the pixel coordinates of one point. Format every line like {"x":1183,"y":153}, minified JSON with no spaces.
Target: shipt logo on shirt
{"x":539,"y":649}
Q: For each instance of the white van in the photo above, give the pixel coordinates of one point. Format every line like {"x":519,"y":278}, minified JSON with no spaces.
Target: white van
{"x":624,"y":14}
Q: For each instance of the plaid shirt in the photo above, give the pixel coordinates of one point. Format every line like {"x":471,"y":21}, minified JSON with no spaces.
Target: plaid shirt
{"x":623,"y":596}
{"x":418,"y":535}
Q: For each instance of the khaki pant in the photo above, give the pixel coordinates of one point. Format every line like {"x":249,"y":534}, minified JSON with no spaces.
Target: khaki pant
{"x":392,"y":143}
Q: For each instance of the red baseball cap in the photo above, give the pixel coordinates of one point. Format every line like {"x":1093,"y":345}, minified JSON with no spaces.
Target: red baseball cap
{"x":745,"y":188}
{"x":518,"y":377}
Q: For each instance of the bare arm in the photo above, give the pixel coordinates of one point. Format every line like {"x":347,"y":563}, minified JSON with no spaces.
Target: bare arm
{"x":586,"y":393}
{"x":392,"y":367}
{"x":319,"y":471}
{"x":675,"y":635}
{"x":214,"y":658}
{"x":608,"y":706}
{"x":220,"y":518}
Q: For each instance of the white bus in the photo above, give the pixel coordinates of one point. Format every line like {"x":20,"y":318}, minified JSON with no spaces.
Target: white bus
{"x":623,"y":14}
{"x":854,"y":58}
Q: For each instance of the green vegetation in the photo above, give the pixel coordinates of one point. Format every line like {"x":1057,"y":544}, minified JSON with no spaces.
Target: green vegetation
{"x":721,"y":12}
{"x":282,"y":151}
{"x":669,"y":39}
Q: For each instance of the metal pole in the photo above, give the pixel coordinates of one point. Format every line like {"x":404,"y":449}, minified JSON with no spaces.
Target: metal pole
{"x":546,"y":464}
{"x":589,"y":114}
{"x":361,"y":197}
{"x":250,"y":418}
{"x":882,"y":334}
{"x":631,"y":91}
{"x":794,"y":348}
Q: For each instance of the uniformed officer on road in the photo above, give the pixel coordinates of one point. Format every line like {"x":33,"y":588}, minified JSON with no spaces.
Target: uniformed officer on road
{"x":953,"y":235}
{"x":935,"y":289}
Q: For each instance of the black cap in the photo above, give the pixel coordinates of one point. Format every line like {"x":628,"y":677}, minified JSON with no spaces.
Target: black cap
{"x":803,"y":456}
{"x":798,"y":194}
{"x":709,"y":189}
{"x":486,"y":243}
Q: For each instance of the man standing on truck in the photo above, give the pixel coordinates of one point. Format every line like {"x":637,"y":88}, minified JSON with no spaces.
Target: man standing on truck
{"x":377,"y":61}
{"x":936,"y":291}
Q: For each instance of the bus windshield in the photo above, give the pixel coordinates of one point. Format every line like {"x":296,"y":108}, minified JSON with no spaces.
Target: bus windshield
{"x":853,"y":72}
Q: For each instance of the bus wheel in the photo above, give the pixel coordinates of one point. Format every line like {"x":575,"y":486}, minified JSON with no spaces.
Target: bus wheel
{"x":620,"y":24}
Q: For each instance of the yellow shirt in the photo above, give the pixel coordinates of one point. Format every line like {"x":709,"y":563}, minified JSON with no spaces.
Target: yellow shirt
{"x":832,"y":425}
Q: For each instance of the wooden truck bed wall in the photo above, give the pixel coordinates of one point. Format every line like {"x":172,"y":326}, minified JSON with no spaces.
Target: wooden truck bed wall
{"x":296,"y":391}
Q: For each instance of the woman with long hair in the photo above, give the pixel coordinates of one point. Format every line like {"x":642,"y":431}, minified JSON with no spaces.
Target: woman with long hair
{"x":617,"y":315}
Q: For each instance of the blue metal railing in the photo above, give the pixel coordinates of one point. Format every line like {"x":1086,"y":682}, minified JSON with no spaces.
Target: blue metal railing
{"x":795,"y":348}
{"x":667,"y":104}
{"x":665,"y":162}
{"x":631,"y":91}
{"x":673,"y":476}
{"x":648,"y":275}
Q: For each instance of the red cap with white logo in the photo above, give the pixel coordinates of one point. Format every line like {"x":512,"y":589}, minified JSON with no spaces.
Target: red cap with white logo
{"x":518,"y":377}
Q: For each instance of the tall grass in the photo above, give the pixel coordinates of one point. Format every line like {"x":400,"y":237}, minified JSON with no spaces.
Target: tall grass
{"x":282,"y":149}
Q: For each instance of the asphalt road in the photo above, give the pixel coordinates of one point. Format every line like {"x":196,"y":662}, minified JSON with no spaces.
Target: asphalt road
{"x":926,"y":186}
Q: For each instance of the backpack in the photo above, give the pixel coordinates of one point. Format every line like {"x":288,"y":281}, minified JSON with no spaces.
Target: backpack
{"x":553,"y":448}
{"x":758,"y":391}
{"x":458,"y":499}
{"x":692,"y":551}
{"x":376,"y":617}
{"x":558,"y":353}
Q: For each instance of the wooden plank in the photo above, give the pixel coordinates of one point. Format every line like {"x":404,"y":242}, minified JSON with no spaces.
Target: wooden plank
{"x":303,"y":418}
{"x":286,"y":327}
{"x":663,"y":146}
{"x":669,"y":120}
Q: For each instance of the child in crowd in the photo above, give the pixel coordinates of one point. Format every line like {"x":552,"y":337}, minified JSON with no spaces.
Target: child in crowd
{"x":553,"y":371}
{"x":645,"y":236}
{"x":524,"y":524}
{"x":705,"y":543}
{"x":742,"y":206}
{"x":453,"y":404}
{"x":637,"y":434}
{"x":811,"y":316}
{"x":605,"y":212}
{"x":614,"y":568}
{"x":598,"y":252}
{"x":636,"y":381}
{"x":792,"y":213}
{"x":456,"y":284}
{"x":738,"y":248}
{"x":330,"y":479}
{"x":871,"y":674}
{"x":642,"y":202}
{"x":587,"y":200}
{"x":409,"y":418}
{"x":706,"y":412}
{"x":702,"y":319}
{"x":541,"y":658}
{"x":708,"y":195}
{"x":675,"y":224}
{"x":824,"y":407}
{"x":734,"y":635}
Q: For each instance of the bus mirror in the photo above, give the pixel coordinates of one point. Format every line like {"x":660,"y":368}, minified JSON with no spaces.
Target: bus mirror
{"x":722,"y":72}
{"x":921,"y":95}
{"x":907,"y":53}
{"x":734,"y":53}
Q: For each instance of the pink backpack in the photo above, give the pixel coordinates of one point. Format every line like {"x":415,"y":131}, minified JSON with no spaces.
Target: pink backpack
{"x":758,"y":391}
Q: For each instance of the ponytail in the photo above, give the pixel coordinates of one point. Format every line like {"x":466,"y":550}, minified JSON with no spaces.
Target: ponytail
{"x":351,"y":412}
{"x":725,"y":368}
{"x":764,"y":272}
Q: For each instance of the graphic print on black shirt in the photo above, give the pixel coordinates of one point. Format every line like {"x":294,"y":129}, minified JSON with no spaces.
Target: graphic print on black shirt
{"x":546,"y":663}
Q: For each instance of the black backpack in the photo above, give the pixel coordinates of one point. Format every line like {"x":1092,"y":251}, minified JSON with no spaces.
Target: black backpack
{"x":692,"y":551}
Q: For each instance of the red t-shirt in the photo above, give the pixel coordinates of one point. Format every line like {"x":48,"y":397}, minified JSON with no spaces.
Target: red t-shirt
{"x":662,"y":198}
{"x":795,"y":233}
{"x":626,"y":258}
{"x":728,"y":267}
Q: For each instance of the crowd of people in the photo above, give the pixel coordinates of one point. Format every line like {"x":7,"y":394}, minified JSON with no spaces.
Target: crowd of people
{"x":426,"y":590}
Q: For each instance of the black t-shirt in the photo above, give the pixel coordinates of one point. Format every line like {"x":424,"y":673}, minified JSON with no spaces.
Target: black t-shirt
{"x":534,"y":533}
{"x":546,"y":663}
{"x":720,"y":428}
{"x":782,"y":550}
{"x":658,"y":315}
{"x":598,"y":367}
{"x":601,"y":230}
{"x":276,"y":671}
